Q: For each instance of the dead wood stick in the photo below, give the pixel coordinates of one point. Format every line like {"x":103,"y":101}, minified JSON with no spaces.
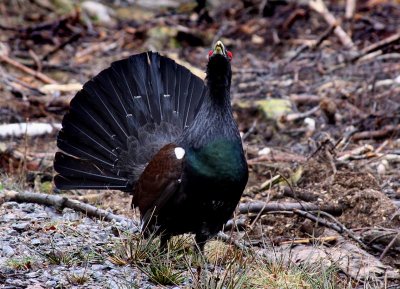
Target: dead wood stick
{"x":320,"y":7}
{"x":337,"y":227}
{"x":386,"y":131}
{"x":36,"y":60}
{"x":350,"y":9}
{"x":305,"y":98}
{"x":378,"y":45}
{"x":277,"y":158}
{"x":229,"y":240}
{"x":389,"y":246}
{"x":320,"y":240}
{"x":60,"y":46}
{"x":256,"y":207}
{"x":235,"y":224}
{"x":304,"y":196}
{"x":299,"y":115}
{"x":27,"y":70}
{"x":63,"y":202}
{"x":304,"y":47}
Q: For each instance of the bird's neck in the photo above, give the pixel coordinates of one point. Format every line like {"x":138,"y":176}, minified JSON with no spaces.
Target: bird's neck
{"x":215,"y":120}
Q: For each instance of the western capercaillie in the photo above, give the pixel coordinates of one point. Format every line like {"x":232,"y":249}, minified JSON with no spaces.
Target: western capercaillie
{"x":148,"y":126}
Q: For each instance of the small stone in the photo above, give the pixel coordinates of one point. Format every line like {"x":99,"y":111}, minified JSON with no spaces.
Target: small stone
{"x":40,"y":215}
{"x":36,"y":241}
{"x":98,"y":267}
{"x":20,"y":227}
{"x":28,"y":208}
{"x":33,"y":274}
{"x":8,"y":251}
{"x":71,"y":217}
{"x":10,"y":205}
{"x":51,"y":284}
{"x":16,"y":282}
{"x":8,"y":217}
{"x":98,"y":11}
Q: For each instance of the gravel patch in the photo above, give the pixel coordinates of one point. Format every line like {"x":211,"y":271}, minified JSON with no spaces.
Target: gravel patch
{"x":43,"y":248}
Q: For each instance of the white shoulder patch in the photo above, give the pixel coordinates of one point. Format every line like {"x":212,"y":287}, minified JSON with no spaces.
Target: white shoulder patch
{"x":179,"y":152}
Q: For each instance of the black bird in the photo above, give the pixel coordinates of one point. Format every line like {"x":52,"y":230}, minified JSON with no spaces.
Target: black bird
{"x":148,"y":126}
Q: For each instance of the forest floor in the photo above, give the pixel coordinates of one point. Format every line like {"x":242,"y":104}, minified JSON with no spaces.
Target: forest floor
{"x":318,"y":106}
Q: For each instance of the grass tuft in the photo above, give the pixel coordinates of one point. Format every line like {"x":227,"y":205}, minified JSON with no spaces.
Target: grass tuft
{"x":20,"y":263}
{"x":77,"y":279}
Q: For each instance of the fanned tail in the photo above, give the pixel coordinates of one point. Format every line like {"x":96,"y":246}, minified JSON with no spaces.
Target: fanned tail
{"x":121,"y":118}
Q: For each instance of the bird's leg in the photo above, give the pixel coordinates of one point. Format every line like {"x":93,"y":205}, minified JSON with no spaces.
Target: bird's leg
{"x":164,"y":238}
{"x":201,"y":240}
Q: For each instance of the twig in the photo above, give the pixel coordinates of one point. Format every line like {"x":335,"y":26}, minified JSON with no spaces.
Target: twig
{"x":377,"y":134}
{"x":320,"y":240}
{"x":235,"y":223}
{"x":305,"y":47}
{"x":349,"y":155}
{"x":378,"y":45}
{"x":350,"y":9}
{"x":229,"y":240}
{"x":300,"y":115}
{"x":276,"y":157}
{"x":27,"y":70}
{"x":269,"y":183}
{"x":389,"y":246}
{"x":36,"y":60}
{"x":71,"y":39}
{"x":305,"y":98}
{"x":250,"y":131}
{"x":63,"y":202}
{"x":256,"y":207}
{"x":337,"y":227}
{"x":27,"y":128}
{"x":319,"y":7}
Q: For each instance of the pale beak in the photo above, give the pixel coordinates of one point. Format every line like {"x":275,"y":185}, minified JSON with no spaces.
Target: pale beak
{"x":219,"y":48}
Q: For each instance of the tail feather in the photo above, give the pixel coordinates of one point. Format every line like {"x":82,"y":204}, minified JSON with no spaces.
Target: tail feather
{"x":83,"y":151}
{"x":121,"y":118}
{"x":85,"y":174}
{"x":88,"y":138}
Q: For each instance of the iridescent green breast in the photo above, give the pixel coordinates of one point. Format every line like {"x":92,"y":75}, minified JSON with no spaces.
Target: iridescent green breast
{"x":219,"y":159}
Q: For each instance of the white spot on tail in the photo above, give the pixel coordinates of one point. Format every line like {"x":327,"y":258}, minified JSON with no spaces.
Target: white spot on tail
{"x":179,"y":152}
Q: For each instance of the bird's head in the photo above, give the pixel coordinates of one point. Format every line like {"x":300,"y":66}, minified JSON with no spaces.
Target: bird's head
{"x":219,"y":67}
{"x":219,"y":51}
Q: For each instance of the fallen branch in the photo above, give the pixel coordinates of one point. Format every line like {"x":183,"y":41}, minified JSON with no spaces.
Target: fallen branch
{"x":276,"y":156}
{"x":264,"y":208}
{"x":320,"y":240}
{"x":337,"y":227}
{"x":390,"y":245}
{"x":386,"y":131}
{"x":27,"y":70}
{"x":385,"y":237}
{"x":320,"y":7}
{"x":296,"y":116}
{"x":300,"y":99}
{"x":378,"y":45}
{"x":317,"y":43}
{"x":63,"y":202}
{"x":30,"y":129}
{"x":355,"y":153}
{"x":350,"y":9}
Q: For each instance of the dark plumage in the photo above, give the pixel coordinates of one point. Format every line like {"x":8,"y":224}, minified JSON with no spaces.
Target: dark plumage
{"x":147,"y":125}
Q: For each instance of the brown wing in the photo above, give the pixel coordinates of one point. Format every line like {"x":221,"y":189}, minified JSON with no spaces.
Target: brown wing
{"x":159,"y":180}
